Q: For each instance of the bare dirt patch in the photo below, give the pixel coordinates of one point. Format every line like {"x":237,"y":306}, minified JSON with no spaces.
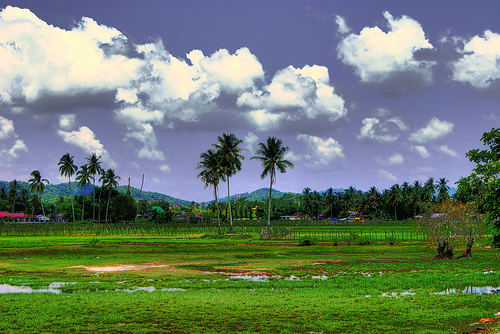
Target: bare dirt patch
{"x":121,"y":267}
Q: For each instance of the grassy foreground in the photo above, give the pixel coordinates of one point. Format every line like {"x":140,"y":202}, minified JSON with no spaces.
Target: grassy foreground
{"x":239,"y":283}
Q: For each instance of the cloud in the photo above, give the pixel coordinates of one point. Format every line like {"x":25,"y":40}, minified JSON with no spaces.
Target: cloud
{"x":39,"y":59}
{"x":343,"y":27}
{"x":67,"y":121}
{"x":234,"y":72}
{"x":395,"y":159}
{"x":382,"y":131}
{"x":435,"y":129}
{"x":324,"y":150}
{"x":85,"y":139}
{"x":377,"y":56}
{"x":291,"y":156}
{"x":386,"y":176}
{"x":263,"y":120}
{"x":445,"y":149}
{"x":145,"y":134}
{"x":164,"y":168}
{"x":6,"y":128}
{"x":10,"y":144}
{"x":422,"y":151}
{"x":297,"y":93}
{"x":250,"y":141}
{"x":479,"y":65}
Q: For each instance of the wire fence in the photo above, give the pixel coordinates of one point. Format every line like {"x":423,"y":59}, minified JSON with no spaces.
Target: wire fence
{"x":336,"y":233}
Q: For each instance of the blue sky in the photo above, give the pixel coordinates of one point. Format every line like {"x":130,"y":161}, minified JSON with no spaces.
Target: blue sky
{"x":365,"y":93}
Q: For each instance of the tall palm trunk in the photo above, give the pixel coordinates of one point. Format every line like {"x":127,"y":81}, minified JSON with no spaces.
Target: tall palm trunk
{"x":99,"y":215}
{"x":71,"y":194}
{"x":229,"y":207}
{"x":83,"y":204}
{"x":217,"y":207}
{"x":93,"y":199}
{"x":107,"y":205}
{"x":43,"y":210}
{"x":269,"y":212}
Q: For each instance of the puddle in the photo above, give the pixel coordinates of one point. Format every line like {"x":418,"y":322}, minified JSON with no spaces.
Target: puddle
{"x":478,"y":290}
{"x":53,"y":288}
{"x":57,"y":288}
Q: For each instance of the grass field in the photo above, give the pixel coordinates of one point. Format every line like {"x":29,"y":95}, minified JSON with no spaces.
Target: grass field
{"x":199,"y":283}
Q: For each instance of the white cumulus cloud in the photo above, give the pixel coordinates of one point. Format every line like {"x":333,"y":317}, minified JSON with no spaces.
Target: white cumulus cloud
{"x":324,"y":150}
{"x":479,"y":63}
{"x":422,"y":150}
{"x":435,"y":129}
{"x":384,"y":131}
{"x":445,"y":149}
{"x":377,"y":55}
{"x":386,"y":176}
{"x":84,"y":138}
{"x":301,"y":93}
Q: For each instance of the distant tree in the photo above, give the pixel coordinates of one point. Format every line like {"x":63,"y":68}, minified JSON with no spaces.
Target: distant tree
{"x":109,"y":180}
{"x":13,"y":188}
{"x":68,"y":168}
{"x":429,"y":190}
{"x":271,"y":155}
{"x":450,"y":224}
{"x":94,"y":168}
{"x":211,"y":174}
{"x":394,"y":198}
{"x":485,"y":177}
{"x":442,"y":188}
{"x":228,"y":145}
{"x":122,"y":207}
{"x":83,"y":178}
{"x":37,"y":185}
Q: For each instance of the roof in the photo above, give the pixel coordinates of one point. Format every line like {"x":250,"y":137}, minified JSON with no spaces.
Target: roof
{"x":157,"y":209}
{"x":13,"y":215}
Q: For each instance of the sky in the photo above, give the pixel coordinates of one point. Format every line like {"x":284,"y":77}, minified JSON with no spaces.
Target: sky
{"x":364,"y":93}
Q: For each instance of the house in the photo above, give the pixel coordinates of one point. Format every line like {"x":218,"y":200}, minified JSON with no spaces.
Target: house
{"x":297,"y":216}
{"x":13,"y":215}
{"x":187,"y":215}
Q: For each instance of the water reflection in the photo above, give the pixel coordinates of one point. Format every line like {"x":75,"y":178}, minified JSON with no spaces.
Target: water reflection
{"x":53,"y":288}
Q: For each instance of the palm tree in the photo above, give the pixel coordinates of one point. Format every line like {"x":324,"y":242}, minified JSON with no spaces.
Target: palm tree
{"x":211,"y":174}
{"x":37,"y":185}
{"x":272,"y":157}
{"x":68,"y":168}
{"x":330,"y":198}
{"x":231,"y":164}
{"x":83,"y":177}
{"x":442,"y":188}
{"x":13,"y":187}
{"x":429,"y":189}
{"x":394,"y":197}
{"x":94,"y":166}
{"x":110,"y":180}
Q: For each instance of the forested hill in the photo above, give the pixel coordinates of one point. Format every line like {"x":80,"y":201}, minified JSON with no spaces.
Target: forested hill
{"x":52,"y":192}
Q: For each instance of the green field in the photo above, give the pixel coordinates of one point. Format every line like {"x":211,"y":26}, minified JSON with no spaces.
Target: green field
{"x":188,"y":281}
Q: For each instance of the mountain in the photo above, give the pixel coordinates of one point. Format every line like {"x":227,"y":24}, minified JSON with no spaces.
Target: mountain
{"x":52,"y":192}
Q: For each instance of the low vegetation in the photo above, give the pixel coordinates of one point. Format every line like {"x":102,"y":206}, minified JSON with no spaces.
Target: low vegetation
{"x":189,"y":282}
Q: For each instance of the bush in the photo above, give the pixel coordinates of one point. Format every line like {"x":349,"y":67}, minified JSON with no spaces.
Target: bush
{"x":306,"y":242}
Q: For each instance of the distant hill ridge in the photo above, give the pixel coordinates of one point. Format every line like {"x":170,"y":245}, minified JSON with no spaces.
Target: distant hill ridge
{"x":53,"y":191}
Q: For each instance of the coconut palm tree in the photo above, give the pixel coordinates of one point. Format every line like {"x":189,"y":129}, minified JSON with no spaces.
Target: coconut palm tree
{"x":109,"y":180}
{"x":68,"y":168}
{"x":83,"y":178}
{"x":394,"y":198}
{"x":212,"y":173}
{"x":272,"y":157}
{"x":37,"y":185}
{"x":442,"y":188}
{"x":94,"y":166}
{"x":231,"y":164}
{"x":13,"y":188}
{"x":429,"y":189}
